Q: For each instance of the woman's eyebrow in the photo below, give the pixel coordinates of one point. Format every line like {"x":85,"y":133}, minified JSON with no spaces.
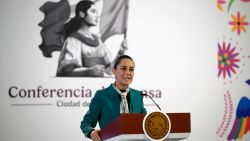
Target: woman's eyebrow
{"x":128,"y":66}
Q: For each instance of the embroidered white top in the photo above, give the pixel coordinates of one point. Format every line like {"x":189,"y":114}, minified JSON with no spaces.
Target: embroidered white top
{"x":76,"y":54}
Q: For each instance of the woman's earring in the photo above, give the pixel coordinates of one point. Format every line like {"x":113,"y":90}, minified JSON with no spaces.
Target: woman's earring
{"x":81,"y":14}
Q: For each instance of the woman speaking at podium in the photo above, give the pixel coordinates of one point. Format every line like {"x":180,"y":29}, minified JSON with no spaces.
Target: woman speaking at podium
{"x":109,"y":103}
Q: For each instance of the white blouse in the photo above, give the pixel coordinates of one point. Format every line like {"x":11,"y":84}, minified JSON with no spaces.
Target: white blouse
{"x":76,"y":54}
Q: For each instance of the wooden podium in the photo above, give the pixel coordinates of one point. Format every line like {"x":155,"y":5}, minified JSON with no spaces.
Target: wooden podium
{"x":129,"y":127}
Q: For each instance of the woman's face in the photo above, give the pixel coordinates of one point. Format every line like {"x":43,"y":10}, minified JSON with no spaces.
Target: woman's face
{"x":124,"y":73}
{"x":92,"y":16}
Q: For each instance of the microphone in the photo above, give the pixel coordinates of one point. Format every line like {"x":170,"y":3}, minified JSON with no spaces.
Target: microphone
{"x":151,"y":99}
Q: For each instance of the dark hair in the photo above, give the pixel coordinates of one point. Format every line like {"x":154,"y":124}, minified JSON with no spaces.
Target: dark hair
{"x":75,"y":23}
{"x":119,"y":58}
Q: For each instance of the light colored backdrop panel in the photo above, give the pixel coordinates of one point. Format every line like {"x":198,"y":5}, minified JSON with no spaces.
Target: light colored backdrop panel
{"x":173,"y":43}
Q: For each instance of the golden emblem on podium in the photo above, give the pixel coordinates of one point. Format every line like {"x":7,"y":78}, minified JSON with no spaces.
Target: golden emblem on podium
{"x":156,"y":126}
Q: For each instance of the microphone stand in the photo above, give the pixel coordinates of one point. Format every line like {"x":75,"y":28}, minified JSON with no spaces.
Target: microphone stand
{"x":151,"y":99}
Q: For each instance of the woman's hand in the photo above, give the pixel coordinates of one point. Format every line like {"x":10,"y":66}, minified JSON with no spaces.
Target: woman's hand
{"x":124,"y":47}
{"x":97,"y":70}
{"x":94,"y":135}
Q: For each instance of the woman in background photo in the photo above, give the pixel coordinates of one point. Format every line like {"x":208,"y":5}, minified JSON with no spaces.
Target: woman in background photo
{"x":83,"y":53}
